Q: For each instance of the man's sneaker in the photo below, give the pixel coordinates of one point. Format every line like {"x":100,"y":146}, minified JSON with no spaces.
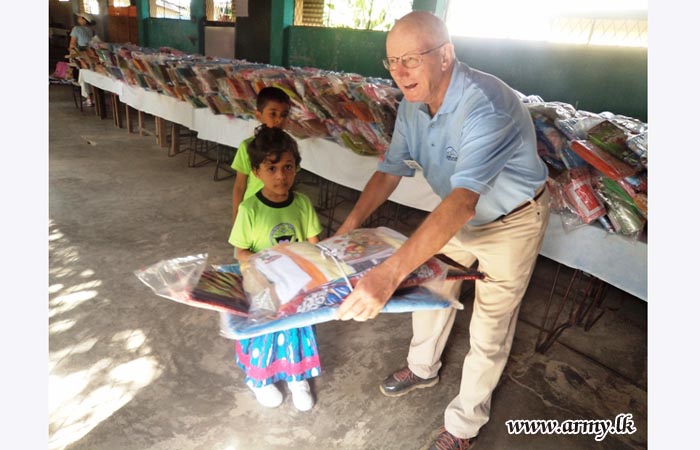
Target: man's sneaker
{"x":301,"y":395}
{"x":268,"y":396}
{"x":448,"y":441}
{"x":404,"y":381}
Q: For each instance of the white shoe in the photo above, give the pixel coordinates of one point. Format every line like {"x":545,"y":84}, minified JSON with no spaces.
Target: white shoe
{"x":301,"y":395}
{"x":268,"y":396}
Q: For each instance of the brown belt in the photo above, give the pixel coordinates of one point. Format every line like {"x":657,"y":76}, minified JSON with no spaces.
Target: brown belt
{"x":526,"y":204}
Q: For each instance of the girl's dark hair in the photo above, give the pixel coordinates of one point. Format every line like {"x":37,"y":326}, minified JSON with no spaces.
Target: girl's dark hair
{"x":271,"y":143}
{"x":273,"y":94}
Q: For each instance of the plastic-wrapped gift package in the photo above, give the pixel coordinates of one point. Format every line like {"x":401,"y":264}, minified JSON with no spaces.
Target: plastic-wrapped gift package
{"x":622,"y":210}
{"x":308,"y":128}
{"x":613,"y":139}
{"x":638,"y":144}
{"x":629,"y":124}
{"x":577,"y":127}
{"x":552,"y":144}
{"x":298,"y":284}
{"x":278,"y":280}
{"x":548,"y":142}
{"x":359,"y":113}
{"x":578,"y":191}
{"x":551,"y":110}
{"x":606,"y":163}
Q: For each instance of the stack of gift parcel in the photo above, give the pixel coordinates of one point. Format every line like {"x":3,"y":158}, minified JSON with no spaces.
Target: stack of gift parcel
{"x":597,"y":162}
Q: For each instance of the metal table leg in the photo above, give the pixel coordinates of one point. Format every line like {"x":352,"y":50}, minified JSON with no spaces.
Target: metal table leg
{"x":585,"y":294}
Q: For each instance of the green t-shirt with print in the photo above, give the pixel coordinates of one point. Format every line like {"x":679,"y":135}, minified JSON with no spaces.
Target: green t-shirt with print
{"x":262,"y":224}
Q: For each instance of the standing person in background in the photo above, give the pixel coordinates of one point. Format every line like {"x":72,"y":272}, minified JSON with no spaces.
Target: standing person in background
{"x":272,"y":109}
{"x":80,"y":37}
{"x":81,"y":34}
{"x":475,"y":142}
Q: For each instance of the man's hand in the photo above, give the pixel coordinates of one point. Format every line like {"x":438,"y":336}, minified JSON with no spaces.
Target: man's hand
{"x":370,"y":295}
{"x":378,"y":285}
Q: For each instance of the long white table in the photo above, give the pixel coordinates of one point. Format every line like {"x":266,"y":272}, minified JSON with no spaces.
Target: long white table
{"x":615,"y":259}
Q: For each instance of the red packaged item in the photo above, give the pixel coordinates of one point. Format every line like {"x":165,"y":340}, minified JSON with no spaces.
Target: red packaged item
{"x":576,"y":185}
{"x":606,"y":163}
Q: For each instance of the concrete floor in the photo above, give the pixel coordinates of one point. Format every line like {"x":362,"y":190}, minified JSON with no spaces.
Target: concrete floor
{"x":130,"y":370}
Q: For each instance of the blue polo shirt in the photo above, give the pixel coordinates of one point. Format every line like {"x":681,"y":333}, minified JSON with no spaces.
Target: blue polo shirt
{"x":83,"y":34}
{"x":482,"y":139}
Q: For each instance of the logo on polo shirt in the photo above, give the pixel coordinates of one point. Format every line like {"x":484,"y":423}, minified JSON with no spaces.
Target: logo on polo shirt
{"x":450,"y":153}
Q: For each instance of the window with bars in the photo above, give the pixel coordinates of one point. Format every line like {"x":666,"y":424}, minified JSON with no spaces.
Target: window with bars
{"x":590,"y":22}
{"x":308,"y":13}
{"x":119,"y":3}
{"x":221,"y":10}
{"x":357,"y":14}
{"x":170,"y":9}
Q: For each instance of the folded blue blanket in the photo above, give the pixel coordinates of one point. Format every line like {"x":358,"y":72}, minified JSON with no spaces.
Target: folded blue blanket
{"x":407,"y":300}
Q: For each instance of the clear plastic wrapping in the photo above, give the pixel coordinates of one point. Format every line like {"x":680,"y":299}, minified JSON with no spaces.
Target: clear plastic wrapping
{"x":174,"y":278}
{"x":574,"y":198}
{"x":284,"y":278}
{"x":553,"y":146}
{"x":627,"y":217}
{"x":298,"y":284}
{"x":581,"y":196}
{"x":614,"y":140}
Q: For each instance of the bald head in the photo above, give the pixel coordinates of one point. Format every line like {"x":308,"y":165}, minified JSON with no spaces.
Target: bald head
{"x":421,"y":58}
{"x":430,"y":28}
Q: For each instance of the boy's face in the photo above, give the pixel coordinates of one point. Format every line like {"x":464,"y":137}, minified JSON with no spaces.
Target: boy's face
{"x":274,"y":114}
{"x":278,"y":177}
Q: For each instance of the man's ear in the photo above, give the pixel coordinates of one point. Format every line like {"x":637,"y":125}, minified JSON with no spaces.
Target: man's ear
{"x":446,"y":55}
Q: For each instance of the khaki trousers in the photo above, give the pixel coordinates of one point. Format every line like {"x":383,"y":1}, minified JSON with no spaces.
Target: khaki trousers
{"x":506,"y":250}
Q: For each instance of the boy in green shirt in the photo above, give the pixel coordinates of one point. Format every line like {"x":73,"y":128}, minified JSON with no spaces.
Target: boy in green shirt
{"x":273,"y":106}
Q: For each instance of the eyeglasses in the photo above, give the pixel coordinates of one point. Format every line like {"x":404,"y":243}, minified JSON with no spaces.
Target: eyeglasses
{"x":409,"y":60}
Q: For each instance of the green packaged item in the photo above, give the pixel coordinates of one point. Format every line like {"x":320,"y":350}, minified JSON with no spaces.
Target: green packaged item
{"x":622,"y":211}
{"x":613,"y":140}
{"x":612,"y":187}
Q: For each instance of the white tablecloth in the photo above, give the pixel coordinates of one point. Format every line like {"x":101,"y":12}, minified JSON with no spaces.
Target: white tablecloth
{"x":159,"y":105}
{"x":101,"y":81}
{"x":614,"y":259}
{"x":617,"y":260}
{"x":222,"y":128}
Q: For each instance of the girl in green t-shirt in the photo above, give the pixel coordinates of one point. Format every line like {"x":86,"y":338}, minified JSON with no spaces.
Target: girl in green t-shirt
{"x":273,"y":215}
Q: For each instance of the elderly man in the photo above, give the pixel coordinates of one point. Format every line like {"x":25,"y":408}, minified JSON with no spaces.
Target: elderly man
{"x":475,"y":143}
